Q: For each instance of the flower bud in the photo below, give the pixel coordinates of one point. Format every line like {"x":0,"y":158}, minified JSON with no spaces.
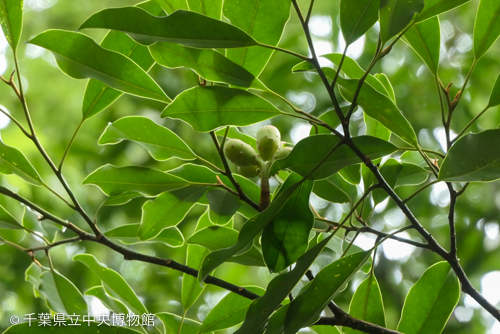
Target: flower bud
{"x":249,"y":171}
{"x":268,"y":141}
{"x":283,"y":152}
{"x":240,"y":153}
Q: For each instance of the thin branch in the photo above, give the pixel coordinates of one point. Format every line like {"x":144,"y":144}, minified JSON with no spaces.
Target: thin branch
{"x":68,"y":148}
{"x":295,"y":54}
{"x":451,"y":220}
{"x":425,"y":186}
{"x":469,"y":124}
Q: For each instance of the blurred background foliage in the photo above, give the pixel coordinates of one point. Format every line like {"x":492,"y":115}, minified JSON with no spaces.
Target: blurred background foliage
{"x":55,"y":103}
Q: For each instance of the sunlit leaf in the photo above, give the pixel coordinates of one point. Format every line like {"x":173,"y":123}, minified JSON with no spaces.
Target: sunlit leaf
{"x":80,"y":57}
{"x":191,"y":289}
{"x":109,"y":302}
{"x":173,"y":324}
{"x":356,"y":17}
{"x":8,"y":221}
{"x":118,"y":180}
{"x":171,"y":6}
{"x":395,"y":15}
{"x":127,"y":234}
{"x":210,"y":8}
{"x":11,"y":20}
{"x":161,"y":143}
{"x":425,"y":39}
{"x":223,"y":205}
{"x":436,"y":7}
{"x":207,"y":108}
{"x":182,"y":27}
{"x":430,"y":301}
{"x":61,"y":294}
{"x":487,"y":26}
{"x":13,"y":161}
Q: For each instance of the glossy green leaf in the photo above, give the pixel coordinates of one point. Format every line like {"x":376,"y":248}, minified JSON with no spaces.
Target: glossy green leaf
{"x":171,"y":6}
{"x":61,"y":294}
{"x":13,"y":161}
{"x":161,"y":143}
{"x":80,"y":57}
{"x":482,"y":162}
{"x":127,"y":234}
{"x":229,"y":312}
{"x":375,"y":129}
{"x":121,"y":199}
{"x":98,"y":95}
{"x":118,"y":180}
{"x":210,"y":8}
{"x":251,"y":228}
{"x":487,"y":26}
{"x":276,"y":323}
{"x":109,"y":302}
{"x":356,"y":17}
{"x":425,"y":39}
{"x":411,"y":174}
{"x":277,"y":290}
{"x":115,"y":284}
{"x":7,"y":221}
{"x":307,"y":306}
{"x":351,"y":174}
{"x":265,"y":21}
{"x":83,"y":328}
{"x":387,"y":85}
{"x":381,"y":108}
{"x":390,"y":171}
{"x":207,"y":108}
{"x":335,"y":189}
{"x":309,"y":152}
{"x":395,"y":15}
{"x":325,"y":329}
{"x":182,"y":27}
{"x":11,"y":20}
{"x":191,"y":288}
{"x":366,"y":304}
{"x":495,"y":94}
{"x":436,"y":7}
{"x":286,"y":237}
{"x":223,"y":205}
{"x":174,"y":323}
{"x":208,"y":64}
{"x":430,"y":301}
{"x":167,"y":210}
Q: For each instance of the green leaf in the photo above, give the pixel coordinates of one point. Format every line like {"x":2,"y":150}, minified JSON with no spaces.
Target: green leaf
{"x":207,"y":108}
{"x":286,"y":237}
{"x":98,"y":95}
{"x":351,"y":174}
{"x":356,"y":17}
{"x":436,"y":7}
{"x":208,"y":64}
{"x":474,"y":157}
{"x":375,"y":129}
{"x":395,"y":15}
{"x":161,"y":143}
{"x":121,"y":199}
{"x":11,"y":20}
{"x":174,"y":323}
{"x":109,"y":302}
{"x":278,"y":289}
{"x":191,"y":288}
{"x":61,"y":294}
{"x":495,"y":94}
{"x":115,"y":284}
{"x":229,"y":312}
{"x":182,"y":27}
{"x":83,"y":328}
{"x":119,"y":180}
{"x":167,"y":210}
{"x":237,"y":134}
{"x":366,"y":304}
{"x":487,"y":26}
{"x":171,"y":6}
{"x":425,"y":39}
{"x":223,"y":205}
{"x":411,"y":175}
{"x":210,"y":8}
{"x":307,"y":306}
{"x":251,"y":228}
{"x":430,"y":301}
{"x":380,"y":107}
{"x":335,"y":189}
{"x":7,"y":221}
{"x":265,"y":21}
{"x":387,"y":85}
{"x":310,"y":151}
{"x":80,"y":57}
{"x":13,"y":161}
{"x":127,"y":234}
{"x":276,"y":323}
{"x":325,"y":329}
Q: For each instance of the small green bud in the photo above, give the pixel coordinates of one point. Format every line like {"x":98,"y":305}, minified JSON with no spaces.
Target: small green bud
{"x":240,"y":153}
{"x":268,"y":141}
{"x":283,"y":152}
{"x":249,"y":171}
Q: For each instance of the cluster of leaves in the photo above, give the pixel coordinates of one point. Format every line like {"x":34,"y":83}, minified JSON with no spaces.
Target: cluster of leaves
{"x":228,"y":45}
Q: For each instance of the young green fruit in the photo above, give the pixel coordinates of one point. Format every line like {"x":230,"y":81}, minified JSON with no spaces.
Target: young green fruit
{"x":268,"y":141}
{"x":240,"y":153}
{"x":249,"y":171}
{"x":282,"y":152}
